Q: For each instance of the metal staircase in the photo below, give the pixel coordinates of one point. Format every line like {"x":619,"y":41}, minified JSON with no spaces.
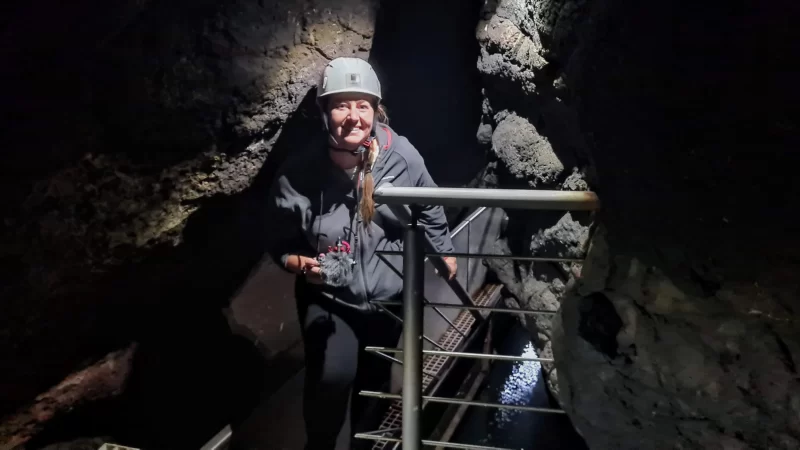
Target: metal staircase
{"x":435,"y":333}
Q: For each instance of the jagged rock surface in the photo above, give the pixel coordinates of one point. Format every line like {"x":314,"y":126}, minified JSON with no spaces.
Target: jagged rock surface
{"x":104,"y":379}
{"x":645,"y":363}
{"x":536,"y":143}
{"x":527,"y":154}
{"x":683,"y":332}
{"x":541,"y":286}
{"x":128,"y":136}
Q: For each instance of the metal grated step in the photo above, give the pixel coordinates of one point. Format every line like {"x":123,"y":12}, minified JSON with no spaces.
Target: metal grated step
{"x":433,"y":364}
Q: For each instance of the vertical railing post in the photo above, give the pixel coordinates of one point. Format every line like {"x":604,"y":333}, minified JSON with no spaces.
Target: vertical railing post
{"x":413,"y":282}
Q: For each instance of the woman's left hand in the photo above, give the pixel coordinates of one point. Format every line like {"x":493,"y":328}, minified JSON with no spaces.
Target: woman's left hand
{"x":452,"y":266}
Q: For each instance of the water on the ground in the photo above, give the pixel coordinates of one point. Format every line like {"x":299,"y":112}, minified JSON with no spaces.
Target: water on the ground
{"x":517,"y":383}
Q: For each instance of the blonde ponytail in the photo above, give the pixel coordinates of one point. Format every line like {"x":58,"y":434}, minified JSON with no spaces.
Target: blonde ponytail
{"x":367,"y":206}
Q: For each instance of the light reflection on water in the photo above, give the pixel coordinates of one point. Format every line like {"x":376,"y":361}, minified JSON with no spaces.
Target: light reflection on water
{"x":517,"y":389}
{"x":519,"y":386}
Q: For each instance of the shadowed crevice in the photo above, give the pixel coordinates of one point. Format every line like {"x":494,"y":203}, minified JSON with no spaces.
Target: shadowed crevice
{"x":599,"y":324}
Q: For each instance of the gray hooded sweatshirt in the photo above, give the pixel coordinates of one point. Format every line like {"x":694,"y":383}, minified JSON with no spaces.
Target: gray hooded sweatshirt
{"x":313,"y":203}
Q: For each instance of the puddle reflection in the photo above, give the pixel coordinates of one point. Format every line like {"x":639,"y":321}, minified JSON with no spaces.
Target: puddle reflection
{"x":517,"y":384}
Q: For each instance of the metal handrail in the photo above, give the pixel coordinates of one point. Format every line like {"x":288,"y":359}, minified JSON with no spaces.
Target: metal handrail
{"x":424,"y":300}
{"x":474,"y":308}
{"x":390,"y":350}
{"x":489,"y":256}
{"x":223,"y":437}
{"x":405,"y":214}
{"x":397,"y":361}
{"x":398,"y":200}
{"x":441,"y":444}
{"x":399,"y":320}
{"x":458,"y":401}
{"x":493,"y":198}
{"x":219,"y":440}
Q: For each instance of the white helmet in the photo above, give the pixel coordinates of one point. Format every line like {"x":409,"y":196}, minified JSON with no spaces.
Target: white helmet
{"x":347,"y":74}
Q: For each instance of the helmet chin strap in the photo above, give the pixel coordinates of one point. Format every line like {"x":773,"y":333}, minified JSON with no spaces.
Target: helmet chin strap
{"x":359,"y":151}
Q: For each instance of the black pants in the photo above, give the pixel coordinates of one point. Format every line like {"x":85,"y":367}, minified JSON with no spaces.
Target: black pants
{"x":337,"y":367}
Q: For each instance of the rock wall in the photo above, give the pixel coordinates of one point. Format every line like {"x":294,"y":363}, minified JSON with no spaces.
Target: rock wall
{"x":648,"y":360}
{"x":140,"y":138}
{"x":681,"y":330}
{"x":136,"y":145}
{"x":534,"y":141}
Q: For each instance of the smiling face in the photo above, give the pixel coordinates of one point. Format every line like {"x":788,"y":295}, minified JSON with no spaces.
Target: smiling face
{"x":351,"y":117}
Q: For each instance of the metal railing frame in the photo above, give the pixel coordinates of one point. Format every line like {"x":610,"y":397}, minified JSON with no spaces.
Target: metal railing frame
{"x":405,"y":202}
{"x":456,"y":401}
{"x":435,"y":308}
{"x":402,"y":201}
{"x":219,"y":440}
{"x":411,"y":217}
{"x":474,"y":308}
{"x":371,"y":349}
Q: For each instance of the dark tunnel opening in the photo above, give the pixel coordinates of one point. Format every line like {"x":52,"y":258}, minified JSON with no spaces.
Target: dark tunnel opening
{"x":425,"y":54}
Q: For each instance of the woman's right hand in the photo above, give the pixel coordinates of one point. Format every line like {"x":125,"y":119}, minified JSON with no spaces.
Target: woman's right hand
{"x":305,"y":265}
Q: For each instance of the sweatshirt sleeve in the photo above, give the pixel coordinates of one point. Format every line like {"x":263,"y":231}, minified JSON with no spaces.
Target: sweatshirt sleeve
{"x":284,"y":215}
{"x":431,"y":217}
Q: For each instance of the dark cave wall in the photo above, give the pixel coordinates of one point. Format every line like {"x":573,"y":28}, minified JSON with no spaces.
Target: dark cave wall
{"x":688,"y":106}
{"x":680,"y":330}
{"x":431,"y":85}
{"x":140,"y":139}
{"x":706,"y":105}
{"x":136,"y":139}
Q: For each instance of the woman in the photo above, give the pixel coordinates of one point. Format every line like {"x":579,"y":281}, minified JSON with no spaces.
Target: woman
{"x":322,"y":210}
